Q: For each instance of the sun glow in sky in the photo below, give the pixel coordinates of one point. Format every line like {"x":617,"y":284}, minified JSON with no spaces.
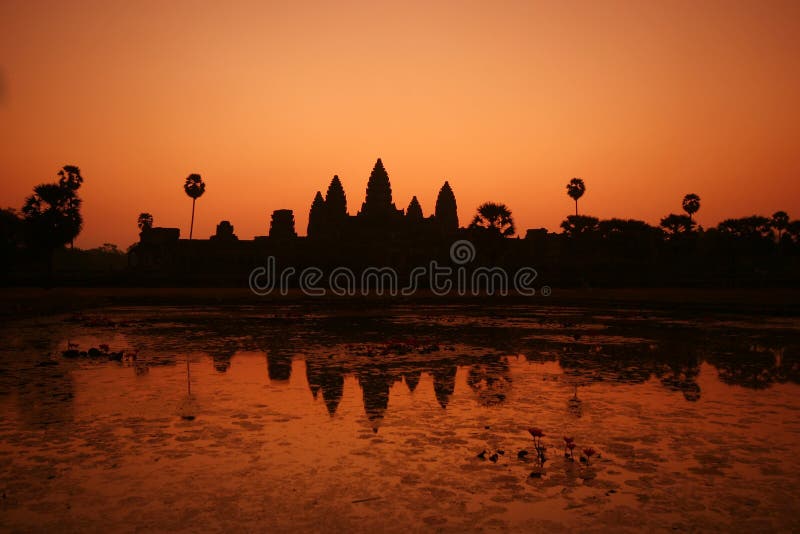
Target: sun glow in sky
{"x":646,"y":101}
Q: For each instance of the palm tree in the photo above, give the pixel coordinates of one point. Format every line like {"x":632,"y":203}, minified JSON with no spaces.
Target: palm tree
{"x":575,"y":189}
{"x":691,"y":203}
{"x":145,"y":222}
{"x":194,"y":187}
{"x":52,"y":219}
{"x":495,"y":218}
{"x":780,"y":221}
{"x":70,"y":179}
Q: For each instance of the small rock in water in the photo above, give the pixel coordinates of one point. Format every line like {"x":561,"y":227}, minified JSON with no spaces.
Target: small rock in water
{"x":188,"y":417}
{"x":482,"y":454}
{"x":522,"y":454}
{"x":493,"y":457}
{"x":501,"y":452}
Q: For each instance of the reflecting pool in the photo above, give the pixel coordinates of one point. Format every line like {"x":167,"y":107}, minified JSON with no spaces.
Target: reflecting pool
{"x":286,"y":417}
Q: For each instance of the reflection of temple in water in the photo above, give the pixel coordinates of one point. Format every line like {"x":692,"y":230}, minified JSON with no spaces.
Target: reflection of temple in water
{"x":375,"y":385}
{"x":328,"y":380}
{"x":355,"y":347}
{"x":444,"y":384}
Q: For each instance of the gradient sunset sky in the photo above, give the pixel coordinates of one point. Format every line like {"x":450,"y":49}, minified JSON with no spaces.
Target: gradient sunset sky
{"x":646,"y":101}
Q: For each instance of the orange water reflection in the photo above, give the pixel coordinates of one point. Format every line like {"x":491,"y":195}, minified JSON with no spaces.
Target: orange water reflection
{"x":334,"y":434}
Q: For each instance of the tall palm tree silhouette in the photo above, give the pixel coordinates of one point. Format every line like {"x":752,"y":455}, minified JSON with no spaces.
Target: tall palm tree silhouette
{"x":691,"y":203}
{"x":70,"y":180}
{"x":194,"y":187}
{"x":494,"y":217}
{"x":575,"y":189}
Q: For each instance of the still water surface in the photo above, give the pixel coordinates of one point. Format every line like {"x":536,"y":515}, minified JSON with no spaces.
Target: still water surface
{"x":289,"y":418}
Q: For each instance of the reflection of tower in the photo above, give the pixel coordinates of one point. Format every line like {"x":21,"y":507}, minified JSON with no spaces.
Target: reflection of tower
{"x":329,"y":380}
{"x":279,"y":365}
{"x":375,"y":384}
{"x":490,"y":380}
{"x":412,"y":379}
{"x":444,"y":384}
{"x":222,"y":359}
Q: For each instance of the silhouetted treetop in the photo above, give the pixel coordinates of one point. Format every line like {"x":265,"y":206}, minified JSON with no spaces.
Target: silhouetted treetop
{"x":575,"y":190}
{"x":414,"y":210}
{"x":335,"y":199}
{"x":52,"y":216}
{"x":691,"y":204}
{"x":753,"y":227}
{"x":70,"y":177}
{"x":494,"y":217}
{"x":576,"y":225}
{"x":446,"y":211}
{"x":677,"y":225}
{"x":194,"y":186}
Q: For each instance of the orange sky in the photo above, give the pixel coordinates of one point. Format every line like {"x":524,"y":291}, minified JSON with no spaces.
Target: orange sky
{"x":646,"y":101}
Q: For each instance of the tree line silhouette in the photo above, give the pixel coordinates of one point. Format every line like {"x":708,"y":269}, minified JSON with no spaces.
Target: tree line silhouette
{"x":750,"y":250}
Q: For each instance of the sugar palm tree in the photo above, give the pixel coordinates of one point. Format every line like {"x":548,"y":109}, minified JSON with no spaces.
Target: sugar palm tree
{"x":495,"y":218}
{"x":194,"y":188}
{"x":691,"y":203}
{"x":575,"y":189}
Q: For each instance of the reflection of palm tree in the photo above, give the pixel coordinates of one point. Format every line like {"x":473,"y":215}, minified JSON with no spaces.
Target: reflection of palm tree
{"x":194,"y":188}
{"x":279,"y":365}
{"x":495,"y":218}
{"x":575,"y":190}
{"x":691,"y":203}
{"x":188,"y":408}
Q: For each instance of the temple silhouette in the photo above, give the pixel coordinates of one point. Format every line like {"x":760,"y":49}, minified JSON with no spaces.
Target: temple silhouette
{"x":380,"y":233}
{"x":747,"y":252}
